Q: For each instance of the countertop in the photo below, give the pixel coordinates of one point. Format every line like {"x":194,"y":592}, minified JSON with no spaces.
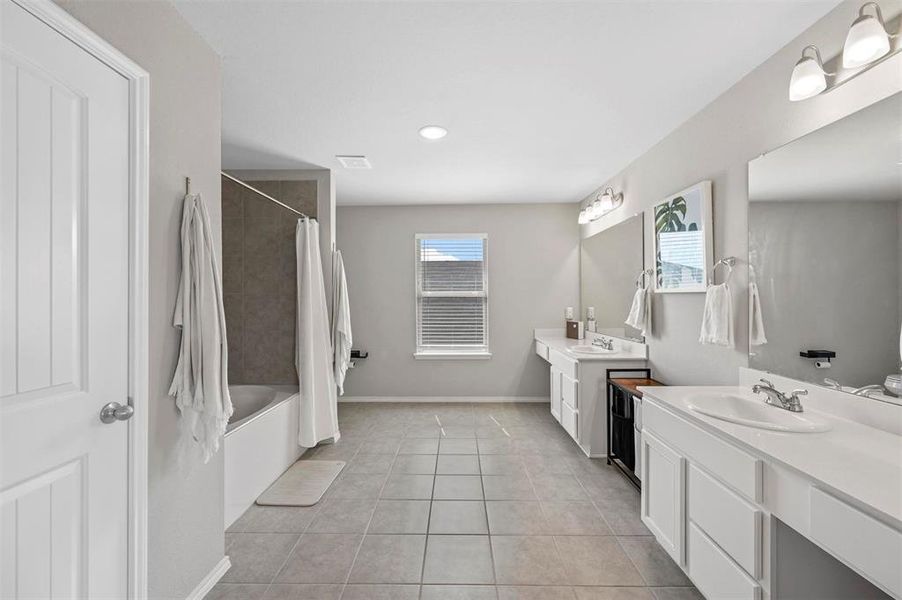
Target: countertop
{"x":860,"y":462}
{"x":625,"y":349}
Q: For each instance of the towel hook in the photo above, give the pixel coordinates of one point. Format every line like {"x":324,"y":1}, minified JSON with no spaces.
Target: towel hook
{"x":729,"y":262}
{"x":640,"y":280}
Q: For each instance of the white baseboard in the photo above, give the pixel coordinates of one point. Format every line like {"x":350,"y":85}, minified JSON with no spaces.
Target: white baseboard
{"x":212,"y":578}
{"x":447,"y":399}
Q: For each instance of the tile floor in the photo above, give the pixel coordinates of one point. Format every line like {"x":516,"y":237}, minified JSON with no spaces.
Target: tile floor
{"x":462,"y":502}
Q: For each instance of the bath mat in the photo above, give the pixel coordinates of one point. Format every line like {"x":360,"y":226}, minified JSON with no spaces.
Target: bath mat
{"x":303,"y":484}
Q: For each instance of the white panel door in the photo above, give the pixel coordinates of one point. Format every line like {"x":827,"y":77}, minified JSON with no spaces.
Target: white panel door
{"x":64,"y":254}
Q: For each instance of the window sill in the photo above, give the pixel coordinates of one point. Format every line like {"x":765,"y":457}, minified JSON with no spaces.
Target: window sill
{"x":451,"y":355}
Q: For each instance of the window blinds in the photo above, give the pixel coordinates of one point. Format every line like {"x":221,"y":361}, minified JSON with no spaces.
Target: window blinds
{"x":452,"y":293}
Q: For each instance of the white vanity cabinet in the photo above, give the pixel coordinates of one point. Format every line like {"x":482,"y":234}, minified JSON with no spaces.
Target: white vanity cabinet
{"x":703,"y":498}
{"x":578,"y":389}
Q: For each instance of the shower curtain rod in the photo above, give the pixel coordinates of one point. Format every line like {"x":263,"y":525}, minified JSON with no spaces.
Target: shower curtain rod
{"x":267,"y":196}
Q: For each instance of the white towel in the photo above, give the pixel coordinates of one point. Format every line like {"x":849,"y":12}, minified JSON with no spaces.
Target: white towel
{"x":717,"y":320}
{"x":756,"y":318}
{"x":313,"y":349}
{"x":341,"y":321}
{"x":200,"y":384}
{"x":640,"y":312}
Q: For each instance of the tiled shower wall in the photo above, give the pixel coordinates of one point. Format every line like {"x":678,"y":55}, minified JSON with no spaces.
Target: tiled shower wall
{"x":259,"y":278}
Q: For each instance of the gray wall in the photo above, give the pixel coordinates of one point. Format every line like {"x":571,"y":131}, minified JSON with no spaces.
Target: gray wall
{"x":752,"y":117}
{"x":259,"y":278}
{"x":185,"y":505}
{"x":533,"y":266}
{"x":610,"y":261}
{"x":828,"y":276}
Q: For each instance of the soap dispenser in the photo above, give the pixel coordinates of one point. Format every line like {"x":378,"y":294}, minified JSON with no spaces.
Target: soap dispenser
{"x":591,"y":323}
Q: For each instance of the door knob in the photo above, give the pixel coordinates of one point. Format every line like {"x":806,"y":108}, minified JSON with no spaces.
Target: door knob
{"x":114,"y":411}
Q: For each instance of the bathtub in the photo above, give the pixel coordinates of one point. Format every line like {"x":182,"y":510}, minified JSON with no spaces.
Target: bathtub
{"x":261,"y":441}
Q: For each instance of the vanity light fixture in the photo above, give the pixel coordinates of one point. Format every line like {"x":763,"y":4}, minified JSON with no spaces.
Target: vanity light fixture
{"x":433,"y":132}
{"x":867,"y":39}
{"x":808,"y":76}
{"x":604,"y":203}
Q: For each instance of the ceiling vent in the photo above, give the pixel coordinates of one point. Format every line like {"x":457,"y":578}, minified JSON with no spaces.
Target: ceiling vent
{"x":354,"y":162}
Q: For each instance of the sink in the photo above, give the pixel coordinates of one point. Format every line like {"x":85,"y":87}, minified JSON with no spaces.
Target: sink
{"x":752,"y":413}
{"x":589,"y":349}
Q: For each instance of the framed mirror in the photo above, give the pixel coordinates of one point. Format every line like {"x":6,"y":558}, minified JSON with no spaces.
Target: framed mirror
{"x":825,"y":255}
{"x":610,"y":263}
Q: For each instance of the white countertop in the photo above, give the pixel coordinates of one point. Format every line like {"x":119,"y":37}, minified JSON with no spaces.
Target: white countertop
{"x":860,"y":462}
{"x":557,"y":340}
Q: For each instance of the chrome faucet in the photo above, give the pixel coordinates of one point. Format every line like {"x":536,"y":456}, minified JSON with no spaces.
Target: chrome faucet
{"x":777,"y":398}
{"x":603,"y":342}
{"x":866,"y":390}
{"x":833,"y":384}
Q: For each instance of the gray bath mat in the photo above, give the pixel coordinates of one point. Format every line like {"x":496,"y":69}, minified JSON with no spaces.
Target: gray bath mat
{"x":303,"y":484}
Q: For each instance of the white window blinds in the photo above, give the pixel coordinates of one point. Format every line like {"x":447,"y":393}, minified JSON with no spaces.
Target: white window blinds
{"x":452,"y":294}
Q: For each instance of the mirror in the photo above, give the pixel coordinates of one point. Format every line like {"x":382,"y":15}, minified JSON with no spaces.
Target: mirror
{"x":610,"y":262}
{"x":825,"y":255}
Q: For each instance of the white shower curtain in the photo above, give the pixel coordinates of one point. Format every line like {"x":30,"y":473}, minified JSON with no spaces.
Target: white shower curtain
{"x":313,"y":347}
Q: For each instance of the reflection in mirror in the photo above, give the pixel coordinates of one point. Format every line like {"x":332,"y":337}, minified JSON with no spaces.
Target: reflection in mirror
{"x":610,"y":262}
{"x":825,"y":255}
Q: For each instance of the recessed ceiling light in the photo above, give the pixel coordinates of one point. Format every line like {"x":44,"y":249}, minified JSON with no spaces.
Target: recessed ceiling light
{"x":433,"y":132}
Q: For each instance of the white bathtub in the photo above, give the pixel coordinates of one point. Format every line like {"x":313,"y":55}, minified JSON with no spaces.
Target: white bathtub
{"x":261,"y":441}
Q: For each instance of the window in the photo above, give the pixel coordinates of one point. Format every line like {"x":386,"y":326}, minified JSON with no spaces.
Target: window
{"x":452,"y":296}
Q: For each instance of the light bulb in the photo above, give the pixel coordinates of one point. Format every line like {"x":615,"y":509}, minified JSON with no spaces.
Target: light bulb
{"x":583,"y":216}
{"x":808,"y":77}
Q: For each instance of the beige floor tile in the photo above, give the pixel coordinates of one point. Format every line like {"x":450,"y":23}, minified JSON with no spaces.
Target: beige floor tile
{"x":574,"y":518}
{"x":508,"y":487}
{"x":321,"y":558}
{"x":613,"y":593}
{"x":535,"y":592}
{"x":458,"y":517}
{"x":389,"y":559}
{"x":458,"y":592}
{"x":414,"y":464}
{"x":381,"y":592}
{"x":515,"y":517}
{"x":343,"y":515}
{"x":408,"y":487}
{"x":502,"y":464}
{"x":457,"y":446}
{"x":654,"y":564}
{"x":527,"y":560}
{"x":400,"y":516}
{"x":458,"y":559}
{"x":256,"y":557}
{"x":458,"y":487}
{"x":458,"y":464}
{"x":303,"y":591}
{"x":419,"y":446}
{"x":597,"y":560}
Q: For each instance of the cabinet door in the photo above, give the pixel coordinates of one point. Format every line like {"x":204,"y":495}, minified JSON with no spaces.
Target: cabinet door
{"x":556,"y":394}
{"x":663,"y":494}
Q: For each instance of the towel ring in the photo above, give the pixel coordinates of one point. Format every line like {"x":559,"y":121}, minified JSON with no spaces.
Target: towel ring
{"x":729,"y":262}
{"x":641,"y":278}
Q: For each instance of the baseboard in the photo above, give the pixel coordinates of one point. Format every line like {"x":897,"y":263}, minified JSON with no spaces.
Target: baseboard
{"x":212,"y":578}
{"x":448,"y":399}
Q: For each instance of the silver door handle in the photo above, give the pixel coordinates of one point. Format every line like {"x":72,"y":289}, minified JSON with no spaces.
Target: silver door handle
{"x":114,"y":411}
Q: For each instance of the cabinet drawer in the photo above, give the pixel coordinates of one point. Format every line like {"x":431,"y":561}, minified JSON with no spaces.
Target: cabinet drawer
{"x":714,"y":573}
{"x":565,"y":365}
{"x":570,"y":420}
{"x":728,"y":463}
{"x":541,"y":349}
{"x":570,"y":392}
{"x":733,"y":523}
{"x":862,"y":542}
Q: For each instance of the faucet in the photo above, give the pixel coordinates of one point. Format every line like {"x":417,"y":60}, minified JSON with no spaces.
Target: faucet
{"x":833,"y":384}
{"x":603,"y":342}
{"x":777,"y":398}
{"x":866,"y":390}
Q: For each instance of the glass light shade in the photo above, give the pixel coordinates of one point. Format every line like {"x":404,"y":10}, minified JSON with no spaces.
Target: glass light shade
{"x":607,"y":202}
{"x":595,"y":210}
{"x":583,"y":216}
{"x":808,"y":79}
{"x":866,"y":41}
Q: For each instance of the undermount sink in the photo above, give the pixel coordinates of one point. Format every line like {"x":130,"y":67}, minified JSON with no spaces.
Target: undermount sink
{"x":588,"y":349}
{"x":758,"y":414}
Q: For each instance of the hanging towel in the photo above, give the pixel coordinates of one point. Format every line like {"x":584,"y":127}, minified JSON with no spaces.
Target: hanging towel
{"x":200,"y":384}
{"x":756,"y":318}
{"x":313,"y":348}
{"x":717,"y":320}
{"x":341,"y":321}
{"x":640,"y":312}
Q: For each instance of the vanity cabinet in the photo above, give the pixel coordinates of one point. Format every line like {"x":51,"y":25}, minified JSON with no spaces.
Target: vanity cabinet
{"x":663,"y":494}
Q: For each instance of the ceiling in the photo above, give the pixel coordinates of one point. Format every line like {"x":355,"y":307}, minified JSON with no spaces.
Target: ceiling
{"x":856,"y":158}
{"x":543,"y":100}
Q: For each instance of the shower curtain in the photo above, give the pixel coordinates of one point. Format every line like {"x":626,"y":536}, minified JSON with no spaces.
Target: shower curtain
{"x":313,"y":346}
